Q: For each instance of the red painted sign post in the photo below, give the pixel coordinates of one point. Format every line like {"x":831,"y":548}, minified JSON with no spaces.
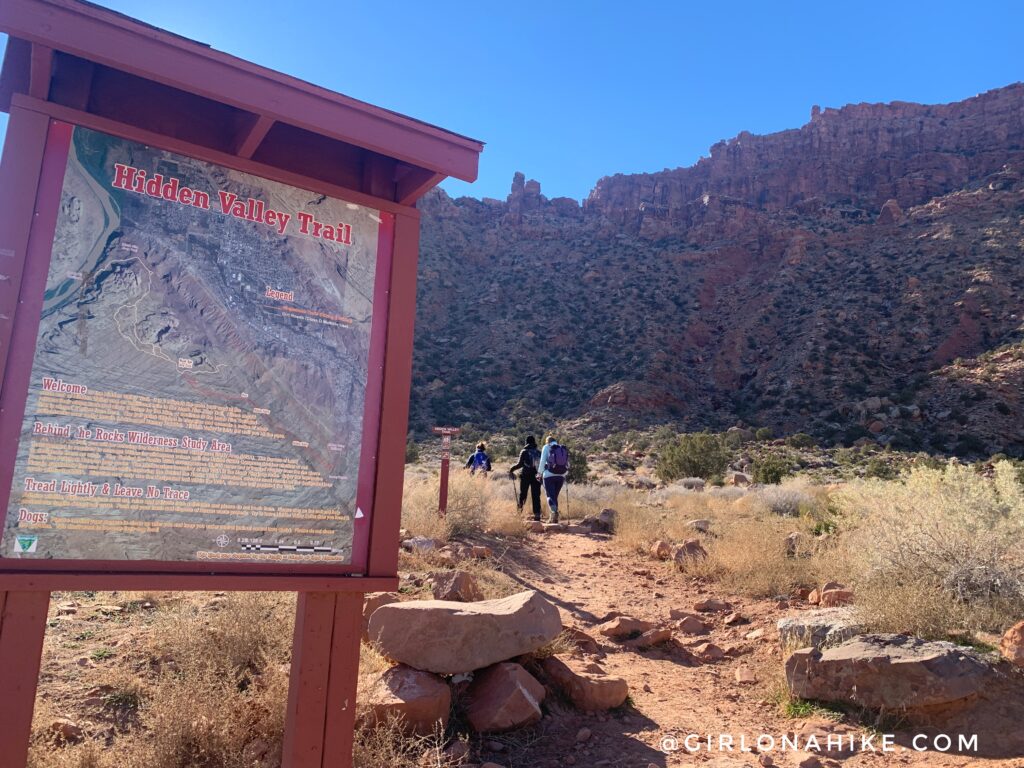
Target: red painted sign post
{"x":239,"y":248}
{"x":446,"y":457}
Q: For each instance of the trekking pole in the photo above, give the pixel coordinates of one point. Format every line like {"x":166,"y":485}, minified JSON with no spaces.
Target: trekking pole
{"x":567,"y":497}
{"x":515,"y":496}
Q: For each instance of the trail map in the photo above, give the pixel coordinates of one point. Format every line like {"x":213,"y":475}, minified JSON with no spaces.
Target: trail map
{"x":199,"y":382}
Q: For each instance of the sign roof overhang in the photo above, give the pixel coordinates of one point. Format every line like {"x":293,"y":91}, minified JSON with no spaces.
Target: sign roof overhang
{"x":95,"y":60}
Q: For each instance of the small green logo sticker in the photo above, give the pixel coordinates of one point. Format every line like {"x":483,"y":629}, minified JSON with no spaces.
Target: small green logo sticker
{"x":25,"y":544}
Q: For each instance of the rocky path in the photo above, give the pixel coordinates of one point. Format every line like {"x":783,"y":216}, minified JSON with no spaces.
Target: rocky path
{"x":673,"y":695}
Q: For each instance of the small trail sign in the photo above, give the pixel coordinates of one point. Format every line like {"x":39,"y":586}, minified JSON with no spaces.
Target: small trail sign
{"x":446,"y":456}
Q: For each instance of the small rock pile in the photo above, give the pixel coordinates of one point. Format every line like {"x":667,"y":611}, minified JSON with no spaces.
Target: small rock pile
{"x":451,"y":552}
{"x":482,"y":651}
{"x":682,"y":555}
{"x":602,"y":523}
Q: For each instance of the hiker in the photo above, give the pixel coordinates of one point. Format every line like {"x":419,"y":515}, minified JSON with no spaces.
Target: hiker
{"x":529,"y":481}
{"x":479,"y":460}
{"x":554,"y":460}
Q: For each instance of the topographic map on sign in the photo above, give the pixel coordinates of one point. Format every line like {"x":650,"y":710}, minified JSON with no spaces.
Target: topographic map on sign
{"x":199,"y":381}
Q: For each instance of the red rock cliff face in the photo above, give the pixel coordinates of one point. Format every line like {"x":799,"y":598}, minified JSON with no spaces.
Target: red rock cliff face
{"x":862,"y":155}
{"x":824,"y":279}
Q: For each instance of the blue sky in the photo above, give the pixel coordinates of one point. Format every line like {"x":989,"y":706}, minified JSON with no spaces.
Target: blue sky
{"x":569,"y":92}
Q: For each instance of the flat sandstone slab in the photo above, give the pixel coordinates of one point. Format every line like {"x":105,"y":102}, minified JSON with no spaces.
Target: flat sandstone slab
{"x":451,"y":638}
{"x":888,"y":672}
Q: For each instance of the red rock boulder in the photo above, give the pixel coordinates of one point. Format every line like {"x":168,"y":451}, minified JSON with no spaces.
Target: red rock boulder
{"x":622,"y":627}
{"x":420,"y":700}
{"x":373,"y":601}
{"x":587,"y":686}
{"x":1012,"y":645}
{"x":688,"y":553}
{"x":503,"y":697}
{"x":457,"y":586}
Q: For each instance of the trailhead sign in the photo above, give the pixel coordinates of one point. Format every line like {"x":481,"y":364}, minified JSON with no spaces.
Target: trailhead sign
{"x":207,"y":301}
{"x":199,"y":385}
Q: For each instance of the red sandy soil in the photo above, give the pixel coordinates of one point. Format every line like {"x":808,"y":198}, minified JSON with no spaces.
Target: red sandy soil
{"x":588,"y":577}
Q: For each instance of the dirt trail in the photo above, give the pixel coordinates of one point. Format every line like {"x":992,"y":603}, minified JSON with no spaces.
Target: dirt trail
{"x":588,"y":578}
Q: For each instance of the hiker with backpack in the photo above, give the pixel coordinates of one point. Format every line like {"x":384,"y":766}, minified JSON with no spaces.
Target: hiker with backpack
{"x":554,"y":460}
{"x":479,"y":461}
{"x":529,"y":480}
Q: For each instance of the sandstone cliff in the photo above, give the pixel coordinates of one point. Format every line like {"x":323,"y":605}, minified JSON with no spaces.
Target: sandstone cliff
{"x":841,"y":278}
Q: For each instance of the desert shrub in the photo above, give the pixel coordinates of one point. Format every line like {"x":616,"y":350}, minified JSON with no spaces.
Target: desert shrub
{"x":638,"y":441}
{"x":927,"y":460}
{"x":732,"y":439}
{"x":783,"y":500}
{"x":209,"y":722}
{"x":663,"y":436}
{"x":771,"y":469}
{"x":412,"y":452}
{"x":615,"y":442}
{"x":878,"y":467}
{"x":700,"y":454}
{"x":579,"y":470}
{"x":763,"y":434}
{"x":939,"y":552}
{"x":501,"y":446}
{"x":800,"y":440}
{"x":388,"y":745}
{"x":970,"y":445}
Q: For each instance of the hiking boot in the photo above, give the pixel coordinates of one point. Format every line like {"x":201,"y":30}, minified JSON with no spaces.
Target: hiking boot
{"x":553,"y":518}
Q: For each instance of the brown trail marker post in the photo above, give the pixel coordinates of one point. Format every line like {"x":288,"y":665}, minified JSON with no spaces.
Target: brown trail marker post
{"x":446,"y":457}
{"x":206,"y":330}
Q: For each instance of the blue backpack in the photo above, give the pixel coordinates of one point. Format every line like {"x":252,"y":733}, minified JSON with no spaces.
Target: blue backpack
{"x":558,"y":460}
{"x":480,"y":461}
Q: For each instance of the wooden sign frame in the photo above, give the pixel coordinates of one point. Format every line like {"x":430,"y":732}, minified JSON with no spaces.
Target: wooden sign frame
{"x":74,"y":64}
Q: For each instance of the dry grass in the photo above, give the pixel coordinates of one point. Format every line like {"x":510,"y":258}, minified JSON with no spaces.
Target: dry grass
{"x":937,"y":553}
{"x":747,"y":546}
{"x":232,"y":636}
{"x":562,"y":645}
{"x":748,"y":557}
{"x":475,"y":504}
{"x":209,"y":691}
{"x":212,"y":693}
{"x":645,"y":518}
{"x":387,"y":746}
{"x":491,"y":579}
{"x":580,"y":501}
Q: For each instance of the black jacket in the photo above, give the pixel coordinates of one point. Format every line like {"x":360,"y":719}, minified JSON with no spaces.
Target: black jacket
{"x":528,"y":460}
